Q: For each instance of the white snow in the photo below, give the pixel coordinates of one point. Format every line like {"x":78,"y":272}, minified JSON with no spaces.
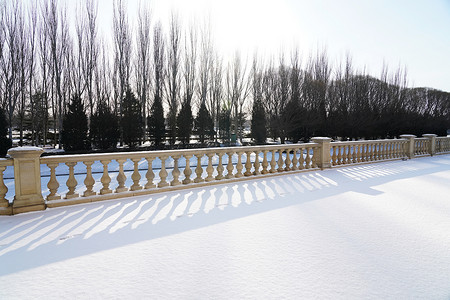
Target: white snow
{"x":376,"y":231}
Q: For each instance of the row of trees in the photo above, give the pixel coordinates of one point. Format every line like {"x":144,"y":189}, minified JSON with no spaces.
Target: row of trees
{"x":341,"y":103}
{"x":149,"y":82}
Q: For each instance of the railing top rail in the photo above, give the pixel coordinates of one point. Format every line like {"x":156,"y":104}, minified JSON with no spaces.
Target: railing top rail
{"x":443,"y":137}
{"x":422,"y":139}
{"x":4,"y":162}
{"x":344,"y":143}
{"x":167,"y":153}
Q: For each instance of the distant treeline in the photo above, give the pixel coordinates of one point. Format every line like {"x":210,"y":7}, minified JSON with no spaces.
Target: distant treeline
{"x":343,"y":104}
{"x":61,"y":82}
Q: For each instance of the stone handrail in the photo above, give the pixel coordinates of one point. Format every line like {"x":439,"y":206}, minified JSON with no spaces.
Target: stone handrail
{"x":146,"y":176}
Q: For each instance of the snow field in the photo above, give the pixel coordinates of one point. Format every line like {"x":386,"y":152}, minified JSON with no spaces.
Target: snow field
{"x":377,"y":231}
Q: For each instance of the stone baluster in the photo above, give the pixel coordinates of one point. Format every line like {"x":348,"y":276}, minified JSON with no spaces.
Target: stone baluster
{"x":301,"y":160}
{"x":273,"y":163}
{"x":363,"y":153}
{"x":163,"y":173}
{"x":349,"y":154}
{"x":209,"y":168}
{"x":121,"y":178}
{"x":136,"y":177}
{"x":71,"y":181}
{"x":105,"y":180}
{"x":308,"y":159}
{"x":375,"y":151}
{"x":3,"y":189}
{"x":334,"y":156}
{"x":239,"y":166}
{"x":220,"y":167}
{"x":149,"y":175}
{"x":287,"y":160}
{"x":339,"y":155}
{"x":256,"y":164}
{"x":265,"y":163}
{"x":370,"y":152}
{"x":176,"y":171}
{"x":53,"y":184}
{"x":248,"y":164}
{"x":355,"y":150}
{"x":230,"y":166}
{"x":89,"y":180}
{"x":294,"y":159}
{"x":199,"y":169}
{"x":280,"y":161}
{"x":187,"y":170}
{"x":359,"y":153}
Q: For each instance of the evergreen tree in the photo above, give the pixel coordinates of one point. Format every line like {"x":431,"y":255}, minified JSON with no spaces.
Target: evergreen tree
{"x":184,"y":123}
{"x":132,"y":123}
{"x":104,"y":131}
{"x":204,"y":125}
{"x":75,"y":127}
{"x":5,"y":143}
{"x":225,"y":125}
{"x":155,"y":121}
{"x":259,"y":131}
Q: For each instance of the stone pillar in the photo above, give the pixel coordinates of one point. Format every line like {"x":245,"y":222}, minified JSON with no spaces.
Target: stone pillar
{"x":27,"y":179}
{"x":432,"y":138}
{"x":324,"y":159}
{"x":409,"y":151}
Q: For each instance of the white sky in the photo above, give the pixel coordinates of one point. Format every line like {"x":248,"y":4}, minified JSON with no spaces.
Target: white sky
{"x":411,"y":34}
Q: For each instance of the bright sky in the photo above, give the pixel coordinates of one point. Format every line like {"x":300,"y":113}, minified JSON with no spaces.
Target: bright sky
{"x":409,"y":33}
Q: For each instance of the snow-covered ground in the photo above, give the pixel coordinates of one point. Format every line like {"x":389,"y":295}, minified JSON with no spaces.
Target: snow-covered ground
{"x":377,"y":231}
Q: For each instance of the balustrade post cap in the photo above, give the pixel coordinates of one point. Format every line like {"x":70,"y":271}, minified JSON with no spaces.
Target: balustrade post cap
{"x":19,"y":152}
{"x":408,"y":136}
{"x":429,"y":135}
{"x":320,"y":139}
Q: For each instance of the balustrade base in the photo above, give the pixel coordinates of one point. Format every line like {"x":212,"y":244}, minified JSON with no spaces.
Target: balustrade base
{"x":23,"y":209}
{"x":6,"y":211}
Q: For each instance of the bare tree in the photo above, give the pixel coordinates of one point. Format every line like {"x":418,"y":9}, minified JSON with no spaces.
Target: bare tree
{"x":173,"y":73}
{"x":89,"y":50}
{"x":122,"y":54}
{"x":103,"y":75}
{"x":10,"y":63}
{"x":237,"y":91}
{"x":32,"y":29}
{"x":216,"y":90}
{"x":184,"y":117}
{"x":2,"y":59}
{"x":143,"y":65}
{"x":206,"y":56}
{"x":190,"y":64}
{"x":23,"y":57}
{"x":158,"y":60}
{"x":56,"y":25}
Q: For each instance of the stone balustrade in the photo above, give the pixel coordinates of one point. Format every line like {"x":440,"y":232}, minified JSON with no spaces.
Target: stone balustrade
{"x":344,"y":153}
{"x":146,"y":172}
